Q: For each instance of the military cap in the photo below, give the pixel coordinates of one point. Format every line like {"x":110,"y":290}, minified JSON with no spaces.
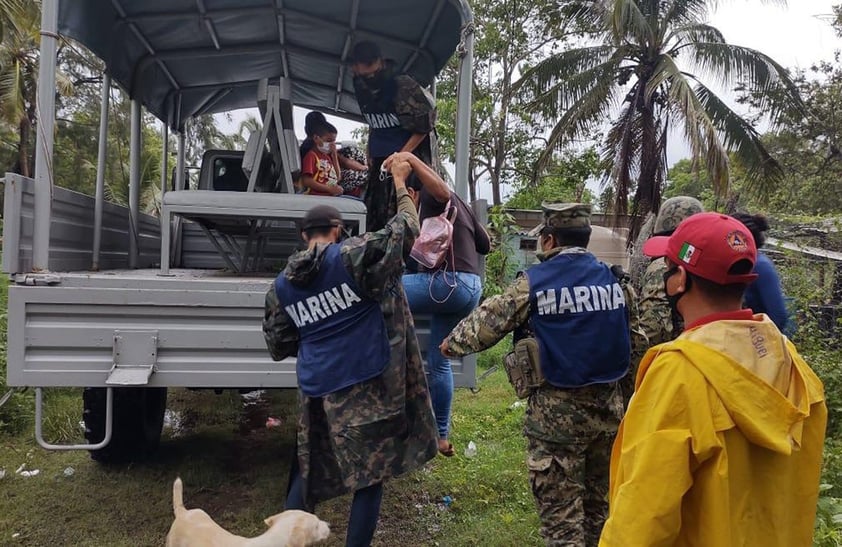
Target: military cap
{"x":560,"y":216}
{"x":673,"y":211}
{"x":321,"y":216}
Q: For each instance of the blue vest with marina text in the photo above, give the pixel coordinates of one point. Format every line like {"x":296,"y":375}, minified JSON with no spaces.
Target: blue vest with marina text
{"x":343,"y":338}
{"x":578,"y":313}
{"x":385,"y":133}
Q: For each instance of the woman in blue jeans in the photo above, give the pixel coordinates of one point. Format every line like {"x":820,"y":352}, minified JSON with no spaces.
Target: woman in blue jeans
{"x":449,"y":293}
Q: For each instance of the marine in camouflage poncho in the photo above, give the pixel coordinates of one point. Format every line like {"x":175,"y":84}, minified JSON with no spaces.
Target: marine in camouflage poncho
{"x":379,"y":428}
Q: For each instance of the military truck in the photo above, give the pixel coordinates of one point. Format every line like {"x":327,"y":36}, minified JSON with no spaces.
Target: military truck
{"x":127,"y":305}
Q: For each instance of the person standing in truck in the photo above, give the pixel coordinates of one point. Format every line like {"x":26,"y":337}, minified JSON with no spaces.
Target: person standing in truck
{"x":365,"y":411}
{"x":400,"y":115}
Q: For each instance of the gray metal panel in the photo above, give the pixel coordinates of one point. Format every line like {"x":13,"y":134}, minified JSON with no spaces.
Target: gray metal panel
{"x":208,"y":324}
{"x":71,"y":231}
{"x":11,"y":222}
{"x":198,"y":252}
{"x":63,"y":336}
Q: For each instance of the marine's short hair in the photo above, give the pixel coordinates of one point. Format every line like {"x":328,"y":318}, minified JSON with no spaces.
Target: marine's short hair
{"x":365,"y":53}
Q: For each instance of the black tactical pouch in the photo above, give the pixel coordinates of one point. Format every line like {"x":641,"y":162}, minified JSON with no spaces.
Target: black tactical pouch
{"x":523,"y":367}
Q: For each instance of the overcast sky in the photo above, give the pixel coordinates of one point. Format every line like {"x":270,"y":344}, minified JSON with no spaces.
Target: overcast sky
{"x":796,"y":36}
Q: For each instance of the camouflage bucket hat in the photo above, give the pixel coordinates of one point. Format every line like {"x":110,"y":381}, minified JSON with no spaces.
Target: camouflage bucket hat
{"x":673,"y":211}
{"x":560,"y":216}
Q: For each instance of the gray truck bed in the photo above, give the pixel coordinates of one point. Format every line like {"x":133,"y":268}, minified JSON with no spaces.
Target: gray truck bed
{"x":204,"y":325}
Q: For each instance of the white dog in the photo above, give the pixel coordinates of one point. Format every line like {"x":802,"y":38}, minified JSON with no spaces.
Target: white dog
{"x":193,"y":528}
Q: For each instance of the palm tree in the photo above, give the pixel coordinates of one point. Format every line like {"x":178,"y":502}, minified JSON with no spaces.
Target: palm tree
{"x":634,"y":64}
{"x":20,"y":24}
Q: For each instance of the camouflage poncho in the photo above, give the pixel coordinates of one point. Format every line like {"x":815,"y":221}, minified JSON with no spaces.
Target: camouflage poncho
{"x":382,"y":427}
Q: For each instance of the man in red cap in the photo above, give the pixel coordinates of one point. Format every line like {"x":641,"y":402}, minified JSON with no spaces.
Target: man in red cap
{"x":722,"y":442}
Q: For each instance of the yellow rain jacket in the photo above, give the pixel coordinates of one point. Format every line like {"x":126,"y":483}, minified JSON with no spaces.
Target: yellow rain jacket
{"x":721,"y":445}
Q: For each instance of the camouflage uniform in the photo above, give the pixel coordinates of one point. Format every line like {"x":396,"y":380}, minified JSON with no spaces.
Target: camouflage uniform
{"x":416,"y":111}
{"x":379,"y":428}
{"x":352,"y":181}
{"x":657,"y":319}
{"x":569,"y":431}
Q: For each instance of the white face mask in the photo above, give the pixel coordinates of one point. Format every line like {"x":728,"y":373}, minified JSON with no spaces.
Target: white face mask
{"x":324,"y":147}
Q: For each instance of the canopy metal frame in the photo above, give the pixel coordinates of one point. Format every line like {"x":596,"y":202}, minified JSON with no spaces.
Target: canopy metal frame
{"x":218,"y":93}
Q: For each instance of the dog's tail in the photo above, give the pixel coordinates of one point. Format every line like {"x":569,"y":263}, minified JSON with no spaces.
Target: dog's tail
{"x":177,"y":497}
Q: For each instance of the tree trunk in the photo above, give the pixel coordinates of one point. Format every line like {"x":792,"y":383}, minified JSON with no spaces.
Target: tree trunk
{"x":495,"y":188}
{"x":648,"y":193}
{"x":23,"y":148}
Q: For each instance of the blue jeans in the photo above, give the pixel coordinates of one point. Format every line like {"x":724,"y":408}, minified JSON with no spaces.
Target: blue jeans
{"x":365,"y":510}
{"x":427,"y":293}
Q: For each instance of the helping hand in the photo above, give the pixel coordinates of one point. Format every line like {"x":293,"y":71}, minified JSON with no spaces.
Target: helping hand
{"x":397,"y":157}
{"x":400,"y":170}
{"x":444,"y":348}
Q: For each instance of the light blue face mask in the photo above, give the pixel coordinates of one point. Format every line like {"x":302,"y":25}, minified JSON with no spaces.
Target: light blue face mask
{"x":324,"y":148}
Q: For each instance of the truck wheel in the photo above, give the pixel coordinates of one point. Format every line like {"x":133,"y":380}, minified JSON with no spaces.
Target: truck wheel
{"x":138,"y":420}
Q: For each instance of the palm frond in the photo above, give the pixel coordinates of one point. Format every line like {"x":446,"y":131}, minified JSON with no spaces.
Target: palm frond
{"x":740,"y":137}
{"x":11,"y":92}
{"x":627,"y":22}
{"x":729,"y":64}
{"x":554,"y":100}
{"x":11,"y":15}
{"x":556,"y":67}
{"x":700,"y":131}
{"x":622,"y":152}
{"x":579,"y":120}
{"x":693,"y":33}
{"x":680,"y":12}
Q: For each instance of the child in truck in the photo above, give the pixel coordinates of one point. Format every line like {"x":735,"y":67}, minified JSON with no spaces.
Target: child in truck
{"x":320,"y":166}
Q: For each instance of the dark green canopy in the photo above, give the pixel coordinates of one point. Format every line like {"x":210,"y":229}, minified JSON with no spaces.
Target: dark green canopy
{"x":182,"y":58}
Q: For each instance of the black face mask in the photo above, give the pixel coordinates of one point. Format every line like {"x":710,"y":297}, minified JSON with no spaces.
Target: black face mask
{"x":376,"y":80}
{"x":672,"y":299}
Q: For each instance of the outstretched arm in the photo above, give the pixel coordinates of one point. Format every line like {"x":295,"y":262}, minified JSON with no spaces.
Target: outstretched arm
{"x":490,"y":322}
{"x":375,"y":259}
{"x":431,"y":180}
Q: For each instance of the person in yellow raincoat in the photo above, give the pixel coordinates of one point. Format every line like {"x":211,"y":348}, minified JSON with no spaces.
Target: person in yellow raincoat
{"x":722,"y":442}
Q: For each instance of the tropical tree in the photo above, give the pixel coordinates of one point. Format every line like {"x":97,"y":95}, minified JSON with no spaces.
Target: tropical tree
{"x":649,"y":57}
{"x":505,"y":138}
{"x":564,"y":180}
{"x":809,"y":145}
{"x":19,"y":41}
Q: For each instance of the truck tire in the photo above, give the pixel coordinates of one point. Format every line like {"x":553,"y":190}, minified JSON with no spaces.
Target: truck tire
{"x":137,"y":424}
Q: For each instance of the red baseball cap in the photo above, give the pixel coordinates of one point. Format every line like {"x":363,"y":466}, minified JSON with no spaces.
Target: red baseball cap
{"x":708,"y":245}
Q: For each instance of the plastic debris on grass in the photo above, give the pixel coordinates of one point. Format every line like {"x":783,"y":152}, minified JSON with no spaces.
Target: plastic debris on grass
{"x":471,"y":450}
{"x":23,"y":472}
{"x":69,"y":471}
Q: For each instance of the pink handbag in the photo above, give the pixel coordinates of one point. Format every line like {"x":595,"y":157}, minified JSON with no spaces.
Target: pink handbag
{"x":436,"y":237}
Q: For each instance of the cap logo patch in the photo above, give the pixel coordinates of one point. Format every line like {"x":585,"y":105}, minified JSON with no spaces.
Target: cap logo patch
{"x":737,"y":240}
{"x":687,"y":253}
